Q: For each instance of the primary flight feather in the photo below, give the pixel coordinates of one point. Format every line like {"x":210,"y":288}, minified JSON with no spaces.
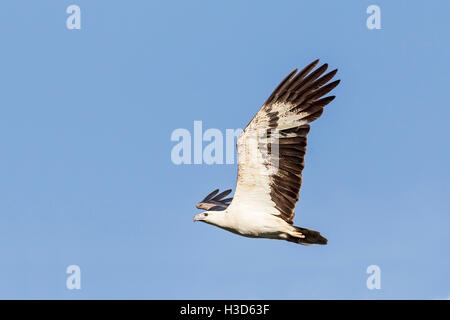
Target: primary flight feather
{"x":271,"y":152}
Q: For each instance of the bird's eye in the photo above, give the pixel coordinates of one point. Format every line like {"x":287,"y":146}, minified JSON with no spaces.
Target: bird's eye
{"x":206,"y":214}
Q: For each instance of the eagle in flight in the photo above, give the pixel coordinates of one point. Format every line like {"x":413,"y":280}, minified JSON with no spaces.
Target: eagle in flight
{"x":271,"y":151}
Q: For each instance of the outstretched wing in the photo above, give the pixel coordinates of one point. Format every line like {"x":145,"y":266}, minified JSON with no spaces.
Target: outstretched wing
{"x":214,"y":201}
{"x":272,"y":147}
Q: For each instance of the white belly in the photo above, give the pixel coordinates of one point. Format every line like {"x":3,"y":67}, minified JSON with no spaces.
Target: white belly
{"x":257,"y":225}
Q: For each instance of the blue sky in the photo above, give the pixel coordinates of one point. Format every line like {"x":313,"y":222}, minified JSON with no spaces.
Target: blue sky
{"x":86,"y":176}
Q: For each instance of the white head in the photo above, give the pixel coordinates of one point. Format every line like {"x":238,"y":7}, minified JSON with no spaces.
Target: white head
{"x":217,"y":218}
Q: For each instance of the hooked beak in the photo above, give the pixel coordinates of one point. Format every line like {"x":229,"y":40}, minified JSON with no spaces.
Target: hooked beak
{"x":199,"y":217}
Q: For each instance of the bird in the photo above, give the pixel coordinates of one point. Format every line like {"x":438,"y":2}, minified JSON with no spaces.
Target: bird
{"x":271,"y":151}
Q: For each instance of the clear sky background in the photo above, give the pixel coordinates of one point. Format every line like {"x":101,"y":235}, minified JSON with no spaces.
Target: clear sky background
{"x":86,"y":176}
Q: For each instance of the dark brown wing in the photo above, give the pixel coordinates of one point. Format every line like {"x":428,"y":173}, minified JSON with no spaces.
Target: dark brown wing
{"x":270,"y":169}
{"x":214,"y":201}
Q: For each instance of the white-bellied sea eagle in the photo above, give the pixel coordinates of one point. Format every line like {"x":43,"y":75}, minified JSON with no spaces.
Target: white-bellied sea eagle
{"x":271,"y":152}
